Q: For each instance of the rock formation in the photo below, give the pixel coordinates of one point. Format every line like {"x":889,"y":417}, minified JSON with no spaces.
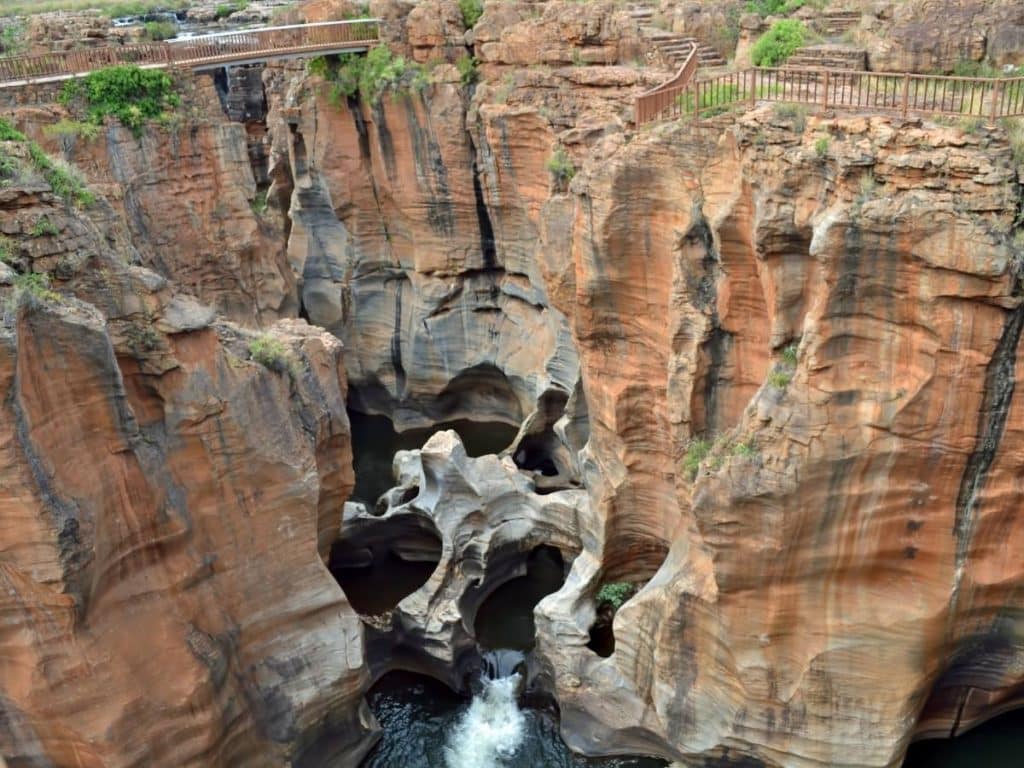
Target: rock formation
{"x":760,"y":366}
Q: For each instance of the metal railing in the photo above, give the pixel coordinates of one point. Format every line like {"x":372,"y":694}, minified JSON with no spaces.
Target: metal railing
{"x":220,"y":48}
{"x":651,"y":104}
{"x":899,"y":93}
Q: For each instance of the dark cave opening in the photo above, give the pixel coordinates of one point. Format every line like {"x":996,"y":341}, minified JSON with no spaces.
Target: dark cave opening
{"x":602,"y":638}
{"x":505,"y":617}
{"x":375,"y":442}
{"x":996,"y":743}
{"x":380,"y":563}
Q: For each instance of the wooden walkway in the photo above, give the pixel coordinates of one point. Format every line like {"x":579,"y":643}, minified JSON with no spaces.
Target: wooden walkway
{"x":206,"y":52}
{"x":828,"y":89}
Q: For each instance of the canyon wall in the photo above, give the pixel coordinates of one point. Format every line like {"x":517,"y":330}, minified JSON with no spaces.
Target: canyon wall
{"x":761,"y":366}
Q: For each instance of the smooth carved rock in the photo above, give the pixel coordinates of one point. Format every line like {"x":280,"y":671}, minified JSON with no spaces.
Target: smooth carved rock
{"x":166,"y":506}
{"x":489,"y":518}
{"x":813,"y":557}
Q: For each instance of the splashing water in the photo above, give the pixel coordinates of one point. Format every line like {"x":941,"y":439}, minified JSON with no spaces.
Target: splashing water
{"x":491,"y":730}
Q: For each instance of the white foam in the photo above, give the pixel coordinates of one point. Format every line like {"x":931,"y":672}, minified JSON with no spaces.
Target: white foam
{"x":491,"y":730}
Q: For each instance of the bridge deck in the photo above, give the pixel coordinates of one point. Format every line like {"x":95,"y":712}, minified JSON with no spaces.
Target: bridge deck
{"x":198,"y":53}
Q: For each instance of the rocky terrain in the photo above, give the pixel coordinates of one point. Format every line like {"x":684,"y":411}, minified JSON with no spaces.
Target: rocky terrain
{"x":760,"y":367}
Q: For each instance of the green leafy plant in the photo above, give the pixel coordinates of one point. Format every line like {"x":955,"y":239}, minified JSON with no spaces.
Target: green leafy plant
{"x":472,"y":10}
{"x":72,"y":129}
{"x":43,"y":227}
{"x":779,"y":378}
{"x":9,"y":133}
{"x":224,"y":10}
{"x":778,"y":43}
{"x":789,"y":355}
{"x":130,"y":94}
{"x":615,"y":593}
{"x":561,"y":167}
{"x":467,"y":66}
{"x":368,"y":76}
{"x":34,"y":285}
{"x":821,"y":147}
{"x":696,"y":451}
{"x":744,"y":449}
{"x":259,"y":203}
{"x":7,"y":252}
{"x":160,"y":30}
{"x":12,"y":37}
{"x":270,"y":353}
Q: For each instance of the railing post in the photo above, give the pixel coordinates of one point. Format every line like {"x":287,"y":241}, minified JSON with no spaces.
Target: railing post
{"x":824,"y":100}
{"x":906,"y":96}
{"x":753,"y":88}
{"x":997,"y":95}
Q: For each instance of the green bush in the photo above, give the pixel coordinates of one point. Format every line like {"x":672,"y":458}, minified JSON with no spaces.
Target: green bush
{"x":9,"y":133}
{"x":615,"y":593}
{"x":34,"y":285}
{"x":780,"y":379}
{"x":61,"y":177}
{"x":7,"y":250}
{"x":161,"y":30}
{"x":697,"y":450}
{"x":821,"y":147}
{"x":789,"y":355}
{"x":778,"y":43}
{"x":71,"y":129}
{"x":43,"y":227}
{"x":130,"y":94}
{"x":467,"y":69}
{"x":368,"y":76}
{"x":561,"y":167}
{"x":224,"y":10}
{"x":472,"y":10}
{"x":744,"y":449}
{"x":270,"y":353}
{"x":774,"y":7}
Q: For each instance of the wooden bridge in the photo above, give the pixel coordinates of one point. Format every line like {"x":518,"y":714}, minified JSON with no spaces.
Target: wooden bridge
{"x":198,"y":53}
{"x":989,"y":98}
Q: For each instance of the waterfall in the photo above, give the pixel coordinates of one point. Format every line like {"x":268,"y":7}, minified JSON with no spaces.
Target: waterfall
{"x":493,"y":727}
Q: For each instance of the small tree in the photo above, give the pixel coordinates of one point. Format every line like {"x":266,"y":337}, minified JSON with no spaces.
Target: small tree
{"x":778,"y":43}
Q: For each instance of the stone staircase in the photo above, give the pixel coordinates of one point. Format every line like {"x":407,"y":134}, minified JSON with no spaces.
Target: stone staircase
{"x":828,"y":57}
{"x":835,"y":23}
{"x":673,"y":47}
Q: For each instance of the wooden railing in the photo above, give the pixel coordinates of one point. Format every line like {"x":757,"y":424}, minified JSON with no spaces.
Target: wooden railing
{"x":989,"y":98}
{"x":268,"y":42}
{"x":651,"y":104}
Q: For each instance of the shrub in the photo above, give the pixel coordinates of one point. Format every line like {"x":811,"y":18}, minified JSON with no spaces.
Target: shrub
{"x":561,"y":167}
{"x":224,"y":10}
{"x":821,"y":147}
{"x":161,"y":30}
{"x":789,"y":355}
{"x":368,"y":76}
{"x":259,"y":203}
{"x":467,"y":69}
{"x":697,"y":450}
{"x":615,"y":593}
{"x":780,"y":379}
{"x":130,"y":94}
{"x":778,"y":43}
{"x":62,"y":178}
{"x":6,"y":250}
{"x":72,"y":129}
{"x":34,"y":285}
{"x":774,"y":7}
{"x":270,"y":353}
{"x":745,"y":449}
{"x":43,"y":227}
{"x":472,"y":10}
{"x":797,"y":113}
{"x":9,"y":133}
{"x":866,"y":187}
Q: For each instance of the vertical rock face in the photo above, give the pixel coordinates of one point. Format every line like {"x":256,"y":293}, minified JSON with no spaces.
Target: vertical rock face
{"x":163,"y":600}
{"x":398,"y":256}
{"x":843,"y":325}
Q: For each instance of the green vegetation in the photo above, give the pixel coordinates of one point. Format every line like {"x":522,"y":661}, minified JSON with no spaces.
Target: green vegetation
{"x":368,"y":76}
{"x":1014,"y":128}
{"x":774,"y":7}
{"x":161,"y":30}
{"x":467,"y":69}
{"x":696,"y":452}
{"x":72,"y":129}
{"x":62,"y":178}
{"x":615,"y":593}
{"x":43,"y":227}
{"x":744,"y":449}
{"x":6,"y":250}
{"x":778,"y":43}
{"x":789,"y":355}
{"x":866,"y":187}
{"x":130,"y":94}
{"x":780,"y":379}
{"x":34,"y":285}
{"x":12,"y":38}
{"x":226,"y":9}
{"x":111,"y":8}
{"x":259,"y":203}
{"x":561,"y":167}
{"x":797,"y":113}
{"x":472,"y":10}
{"x":270,"y":353}
{"x":713,"y":100}
{"x":821,"y":147}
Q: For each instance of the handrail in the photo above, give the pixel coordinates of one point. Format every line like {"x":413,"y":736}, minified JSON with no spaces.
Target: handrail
{"x":651,"y":103}
{"x":208,"y":49}
{"x":899,"y":92}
